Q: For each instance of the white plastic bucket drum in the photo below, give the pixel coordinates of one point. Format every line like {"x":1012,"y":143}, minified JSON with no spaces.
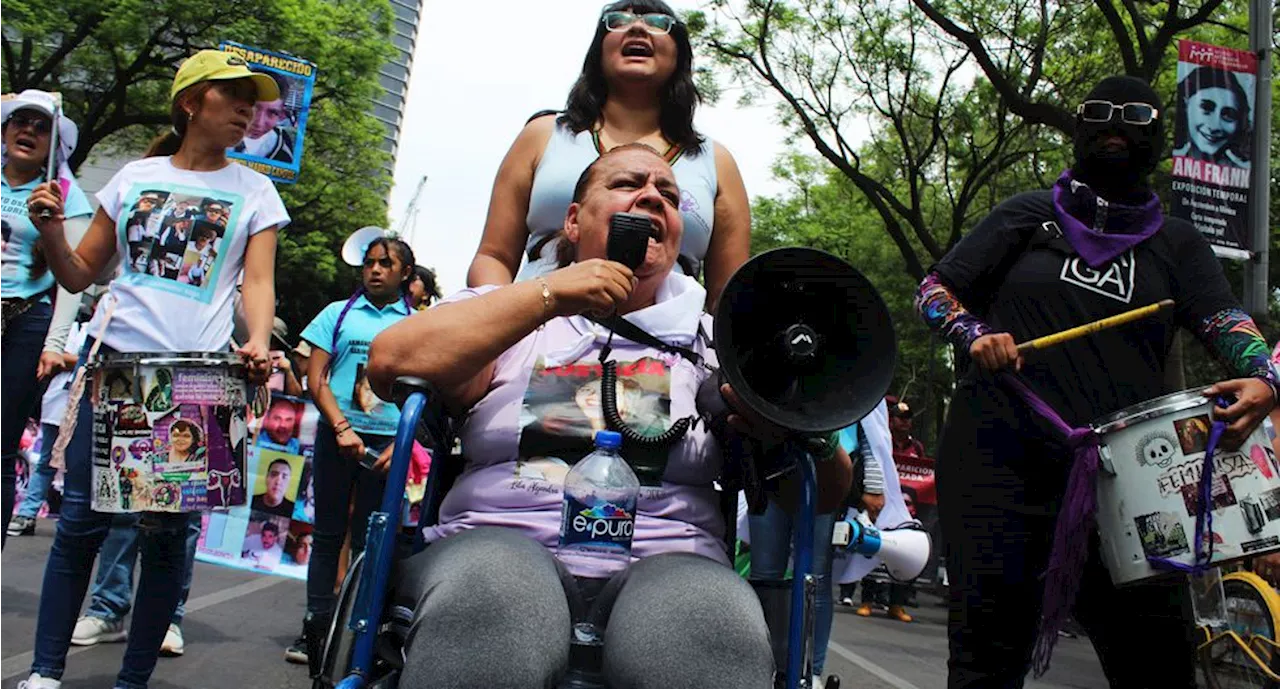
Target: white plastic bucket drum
{"x":169,"y":432}
{"x":1152,"y":456}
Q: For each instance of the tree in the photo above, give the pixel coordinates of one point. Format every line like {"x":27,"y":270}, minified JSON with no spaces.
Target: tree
{"x":1025,"y":64}
{"x":823,"y":210}
{"x":114,"y":60}
{"x":890,"y":72}
{"x":846,"y":68}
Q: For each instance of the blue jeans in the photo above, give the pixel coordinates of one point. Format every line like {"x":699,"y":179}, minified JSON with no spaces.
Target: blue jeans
{"x":80,"y":534}
{"x":335,"y":479}
{"x":20,"y":351}
{"x":771,"y":541}
{"x":112,"y":595}
{"x":41,"y":475}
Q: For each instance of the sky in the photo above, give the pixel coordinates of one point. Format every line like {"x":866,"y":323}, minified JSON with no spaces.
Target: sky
{"x":479,"y":71}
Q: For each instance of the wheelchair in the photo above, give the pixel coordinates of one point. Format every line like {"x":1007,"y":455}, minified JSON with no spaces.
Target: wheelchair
{"x":365,"y":644}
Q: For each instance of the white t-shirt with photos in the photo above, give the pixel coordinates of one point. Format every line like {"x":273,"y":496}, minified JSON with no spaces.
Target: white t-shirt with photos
{"x":185,"y":253}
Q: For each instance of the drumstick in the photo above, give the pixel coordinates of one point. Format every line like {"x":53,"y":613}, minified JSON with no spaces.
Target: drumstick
{"x":1090,"y":328}
{"x":51,"y":171}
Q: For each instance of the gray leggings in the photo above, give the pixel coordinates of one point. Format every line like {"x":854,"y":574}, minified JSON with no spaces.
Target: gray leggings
{"x":493,"y":610}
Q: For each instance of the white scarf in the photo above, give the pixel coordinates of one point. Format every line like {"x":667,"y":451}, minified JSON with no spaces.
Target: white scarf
{"x":894,"y":514}
{"x":673,"y":318}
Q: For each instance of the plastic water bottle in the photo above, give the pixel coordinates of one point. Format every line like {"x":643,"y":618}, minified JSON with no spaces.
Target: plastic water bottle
{"x":599,"y":513}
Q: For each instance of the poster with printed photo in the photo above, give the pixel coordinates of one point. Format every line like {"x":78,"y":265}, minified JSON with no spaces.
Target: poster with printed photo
{"x":274,"y":141}
{"x":1212,"y":143}
{"x":272,"y":533}
{"x":563,"y":409}
{"x":176,"y":238}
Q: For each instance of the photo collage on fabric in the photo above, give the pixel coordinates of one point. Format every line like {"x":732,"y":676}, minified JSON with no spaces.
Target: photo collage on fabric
{"x":177,"y":238}
{"x":167,"y":438}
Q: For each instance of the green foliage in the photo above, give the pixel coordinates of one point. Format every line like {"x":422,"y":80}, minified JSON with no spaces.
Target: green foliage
{"x":924,"y":114}
{"x":821,"y":199}
{"x":114,"y":61}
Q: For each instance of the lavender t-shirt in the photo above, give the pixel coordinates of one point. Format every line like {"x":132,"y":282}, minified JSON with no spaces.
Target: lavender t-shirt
{"x":542,"y":409}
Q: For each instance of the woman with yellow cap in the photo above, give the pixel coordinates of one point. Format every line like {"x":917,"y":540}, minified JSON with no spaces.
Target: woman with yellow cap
{"x":185,"y":169}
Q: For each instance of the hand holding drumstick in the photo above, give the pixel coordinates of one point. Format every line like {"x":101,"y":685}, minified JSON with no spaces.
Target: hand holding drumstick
{"x":997,"y":350}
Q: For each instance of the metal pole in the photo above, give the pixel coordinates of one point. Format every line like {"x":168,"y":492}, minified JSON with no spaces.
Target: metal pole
{"x":1255,"y":270}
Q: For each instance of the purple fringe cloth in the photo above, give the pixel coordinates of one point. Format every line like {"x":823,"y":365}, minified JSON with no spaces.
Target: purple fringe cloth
{"x":1071,"y":533}
{"x":1078,"y":517}
{"x":1204,"y":510}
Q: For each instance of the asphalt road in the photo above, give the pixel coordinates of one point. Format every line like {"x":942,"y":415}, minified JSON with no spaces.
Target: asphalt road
{"x":238,"y":624}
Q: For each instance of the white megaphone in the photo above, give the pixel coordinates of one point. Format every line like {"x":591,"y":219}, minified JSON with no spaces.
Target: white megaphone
{"x":354,"y":248}
{"x":904,"y":550}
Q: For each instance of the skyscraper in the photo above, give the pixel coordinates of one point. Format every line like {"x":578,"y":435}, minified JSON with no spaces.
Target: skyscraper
{"x":394,"y":75}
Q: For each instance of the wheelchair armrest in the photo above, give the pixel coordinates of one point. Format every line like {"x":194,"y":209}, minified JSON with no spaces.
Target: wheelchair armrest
{"x":407,"y":385}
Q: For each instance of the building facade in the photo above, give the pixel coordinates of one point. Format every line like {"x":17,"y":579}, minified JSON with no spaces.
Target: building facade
{"x":394,"y":75}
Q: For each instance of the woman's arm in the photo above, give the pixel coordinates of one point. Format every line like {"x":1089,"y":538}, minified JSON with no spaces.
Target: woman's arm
{"x":731,"y":228}
{"x":75,"y":268}
{"x":465,"y":338}
{"x":942,"y":312}
{"x":502,"y":244}
{"x":318,"y":385}
{"x":292,"y":386}
{"x":65,"y":308}
{"x":259,"y":300}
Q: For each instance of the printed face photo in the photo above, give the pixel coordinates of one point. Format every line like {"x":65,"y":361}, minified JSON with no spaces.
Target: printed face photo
{"x":275,"y":482}
{"x":362,"y":392}
{"x":272,"y":135}
{"x":278,"y":480}
{"x":264,"y":538}
{"x":282,"y":422}
{"x":1193,"y":434}
{"x":1213,"y":116}
{"x":297,"y":548}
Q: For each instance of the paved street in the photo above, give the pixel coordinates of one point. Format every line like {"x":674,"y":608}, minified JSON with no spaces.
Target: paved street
{"x":238,"y":624}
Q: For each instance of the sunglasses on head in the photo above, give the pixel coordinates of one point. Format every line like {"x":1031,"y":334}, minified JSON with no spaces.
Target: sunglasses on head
{"x":1104,"y":110}
{"x":41,"y":124}
{"x":654,"y":22}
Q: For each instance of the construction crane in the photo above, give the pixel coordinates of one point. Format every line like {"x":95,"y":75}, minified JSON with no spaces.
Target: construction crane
{"x":410,"y":221}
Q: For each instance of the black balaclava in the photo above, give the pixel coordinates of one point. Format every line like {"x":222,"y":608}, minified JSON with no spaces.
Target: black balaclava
{"x":1114,"y":173}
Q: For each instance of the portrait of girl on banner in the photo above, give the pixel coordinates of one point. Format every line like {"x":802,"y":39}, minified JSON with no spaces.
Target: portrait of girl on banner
{"x":1214,"y":119}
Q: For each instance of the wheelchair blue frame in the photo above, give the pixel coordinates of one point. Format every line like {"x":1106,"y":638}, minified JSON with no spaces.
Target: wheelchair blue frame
{"x":384,"y":525}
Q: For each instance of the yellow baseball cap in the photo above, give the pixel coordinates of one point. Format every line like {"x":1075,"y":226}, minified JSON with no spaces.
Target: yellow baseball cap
{"x":219,"y":65}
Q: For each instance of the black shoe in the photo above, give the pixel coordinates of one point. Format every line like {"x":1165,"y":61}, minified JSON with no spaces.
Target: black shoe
{"x":315,"y":634}
{"x":297,"y":651}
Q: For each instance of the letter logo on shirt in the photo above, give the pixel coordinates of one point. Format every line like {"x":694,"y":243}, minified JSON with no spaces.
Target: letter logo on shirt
{"x":1114,"y":280}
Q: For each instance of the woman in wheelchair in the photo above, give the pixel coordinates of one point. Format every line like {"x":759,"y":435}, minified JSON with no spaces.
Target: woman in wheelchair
{"x":494,"y":607}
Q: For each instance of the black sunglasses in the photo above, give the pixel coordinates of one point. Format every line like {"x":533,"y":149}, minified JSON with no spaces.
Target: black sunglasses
{"x":39,"y":123}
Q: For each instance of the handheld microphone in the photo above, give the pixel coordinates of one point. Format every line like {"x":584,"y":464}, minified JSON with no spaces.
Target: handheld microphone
{"x":629,"y":235}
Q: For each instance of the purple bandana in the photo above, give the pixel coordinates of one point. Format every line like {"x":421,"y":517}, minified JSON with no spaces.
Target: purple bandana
{"x":1124,"y":226}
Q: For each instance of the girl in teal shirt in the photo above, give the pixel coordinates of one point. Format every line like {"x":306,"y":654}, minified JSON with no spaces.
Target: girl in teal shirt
{"x":353,"y":419}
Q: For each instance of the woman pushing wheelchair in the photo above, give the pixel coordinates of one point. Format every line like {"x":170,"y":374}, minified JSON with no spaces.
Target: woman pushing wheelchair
{"x":496,"y":607}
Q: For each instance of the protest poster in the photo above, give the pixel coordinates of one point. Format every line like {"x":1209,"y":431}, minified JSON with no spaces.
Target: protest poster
{"x":272,"y":534}
{"x":274,"y":143}
{"x":1212,"y":139}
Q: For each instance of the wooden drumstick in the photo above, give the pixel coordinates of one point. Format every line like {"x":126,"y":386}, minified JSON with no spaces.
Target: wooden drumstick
{"x":1090,"y":328}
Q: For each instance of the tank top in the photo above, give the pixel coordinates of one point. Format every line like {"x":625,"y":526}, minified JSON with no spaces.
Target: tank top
{"x":567,"y":155}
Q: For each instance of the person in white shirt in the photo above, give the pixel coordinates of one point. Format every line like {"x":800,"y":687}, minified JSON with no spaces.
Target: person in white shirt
{"x":212,"y":101}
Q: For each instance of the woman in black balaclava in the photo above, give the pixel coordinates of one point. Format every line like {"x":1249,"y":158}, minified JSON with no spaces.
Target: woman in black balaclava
{"x":1095,"y":245}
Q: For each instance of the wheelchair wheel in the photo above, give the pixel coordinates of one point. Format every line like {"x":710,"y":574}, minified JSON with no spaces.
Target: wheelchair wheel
{"x":340,"y":640}
{"x":1245,"y":655}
